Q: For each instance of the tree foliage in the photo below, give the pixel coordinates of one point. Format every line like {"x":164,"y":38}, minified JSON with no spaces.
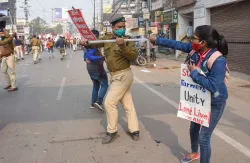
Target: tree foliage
{"x":38,"y":26}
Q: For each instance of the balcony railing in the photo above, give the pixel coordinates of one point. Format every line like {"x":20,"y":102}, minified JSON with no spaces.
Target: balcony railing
{"x":132,"y":5}
{"x":124,"y":6}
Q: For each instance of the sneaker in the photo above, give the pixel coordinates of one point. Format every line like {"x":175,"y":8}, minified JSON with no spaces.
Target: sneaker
{"x":186,"y":159}
{"x":92,"y":106}
{"x":99,"y":106}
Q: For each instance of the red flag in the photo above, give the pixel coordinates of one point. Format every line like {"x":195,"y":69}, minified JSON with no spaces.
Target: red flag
{"x":78,"y":20}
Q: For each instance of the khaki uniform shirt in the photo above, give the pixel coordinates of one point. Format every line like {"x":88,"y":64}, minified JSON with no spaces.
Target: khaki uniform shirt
{"x":7,"y":41}
{"x":39,"y":42}
{"x":35,"y":42}
{"x":117,"y":58}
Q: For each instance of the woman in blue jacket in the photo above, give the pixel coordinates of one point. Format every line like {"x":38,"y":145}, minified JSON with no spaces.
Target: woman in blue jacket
{"x":206,"y":41}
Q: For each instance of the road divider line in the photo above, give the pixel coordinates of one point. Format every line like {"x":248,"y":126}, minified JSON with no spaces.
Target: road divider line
{"x":241,"y":148}
{"x":59,"y":96}
{"x":68,"y":65}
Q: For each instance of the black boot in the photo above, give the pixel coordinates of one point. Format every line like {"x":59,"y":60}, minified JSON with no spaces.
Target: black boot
{"x":110,"y":137}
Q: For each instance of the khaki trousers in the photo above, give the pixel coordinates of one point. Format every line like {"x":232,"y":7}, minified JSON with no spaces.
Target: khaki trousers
{"x":119,"y":91}
{"x":36,"y":53}
{"x":8,"y":63}
{"x":62,"y":52}
{"x":19,"y":51}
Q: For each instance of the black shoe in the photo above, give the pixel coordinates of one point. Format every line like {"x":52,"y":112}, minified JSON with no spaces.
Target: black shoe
{"x":40,"y":59}
{"x":135,"y":135}
{"x":22,"y":58}
{"x":7,"y":87}
{"x":99,"y":106}
{"x":109,"y":138}
{"x":34,"y":62}
{"x":12,"y":89}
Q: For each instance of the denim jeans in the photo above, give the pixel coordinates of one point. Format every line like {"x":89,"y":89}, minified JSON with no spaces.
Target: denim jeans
{"x":100,"y":87}
{"x":202,"y":135}
{"x":51,"y":50}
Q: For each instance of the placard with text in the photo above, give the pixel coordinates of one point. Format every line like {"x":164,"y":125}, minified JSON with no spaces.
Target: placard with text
{"x":195,"y":101}
{"x":78,"y":20}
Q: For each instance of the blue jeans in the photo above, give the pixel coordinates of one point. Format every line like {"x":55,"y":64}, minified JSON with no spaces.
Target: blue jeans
{"x":100,"y":87}
{"x":203,"y":134}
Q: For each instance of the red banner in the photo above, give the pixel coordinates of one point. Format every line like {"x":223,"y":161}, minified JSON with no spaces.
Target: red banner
{"x":78,"y":20}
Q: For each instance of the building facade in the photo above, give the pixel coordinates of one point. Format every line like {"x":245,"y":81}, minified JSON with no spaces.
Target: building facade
{"x":11,"y":5}
{"x":126,"y":7}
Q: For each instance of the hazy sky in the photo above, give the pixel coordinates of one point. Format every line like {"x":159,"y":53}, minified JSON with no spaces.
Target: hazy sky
{"x":86,"y":5}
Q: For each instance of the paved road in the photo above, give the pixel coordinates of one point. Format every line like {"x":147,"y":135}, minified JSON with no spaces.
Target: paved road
{"x":49,"y":121}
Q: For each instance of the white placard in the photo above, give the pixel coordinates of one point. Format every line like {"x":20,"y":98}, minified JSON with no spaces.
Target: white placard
{"x":195,"y":101}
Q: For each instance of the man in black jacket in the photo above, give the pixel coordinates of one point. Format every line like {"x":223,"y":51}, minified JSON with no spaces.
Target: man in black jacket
{"x":61,"y":44}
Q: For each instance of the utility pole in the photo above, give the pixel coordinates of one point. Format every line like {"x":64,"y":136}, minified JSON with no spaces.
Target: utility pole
{"x":94,"y":15}
{"x":52,"y":13}
{"x":148,"y":21}
{"x":44,"y":17}
{"x":101,"y":15}
{"x":26,"y":11}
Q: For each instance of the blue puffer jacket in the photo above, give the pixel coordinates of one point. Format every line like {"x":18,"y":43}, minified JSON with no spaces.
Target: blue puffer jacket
{"x":214,"y":80}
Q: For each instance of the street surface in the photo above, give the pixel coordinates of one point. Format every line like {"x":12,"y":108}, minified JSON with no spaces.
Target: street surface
{"x":48,"y":119}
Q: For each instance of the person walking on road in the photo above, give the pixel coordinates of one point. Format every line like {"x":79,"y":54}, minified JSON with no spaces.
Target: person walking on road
{"x":98,"y":75}
{"x":50,"y":46}
{"x":27,"y":45}
{"x":118,"y":57}
{"x":40,"y":49}
{"x":207,"y":53}
{"x":35,"y":45}
{"x":61,"y":44}
{"x":74,"y":42}
{"x":18,"y":47}
{"x":78,"y":44}
{"x":7,"y":56}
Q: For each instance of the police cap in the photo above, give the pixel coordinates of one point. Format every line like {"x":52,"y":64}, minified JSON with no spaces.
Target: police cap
{"x":117,"y":20}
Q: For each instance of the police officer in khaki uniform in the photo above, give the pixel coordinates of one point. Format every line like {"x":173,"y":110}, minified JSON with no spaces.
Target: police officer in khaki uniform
{"x":35,"y":45}
{"x":7,"y":56}
{"x":118,"y":57}
{"x":40,"y":49}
